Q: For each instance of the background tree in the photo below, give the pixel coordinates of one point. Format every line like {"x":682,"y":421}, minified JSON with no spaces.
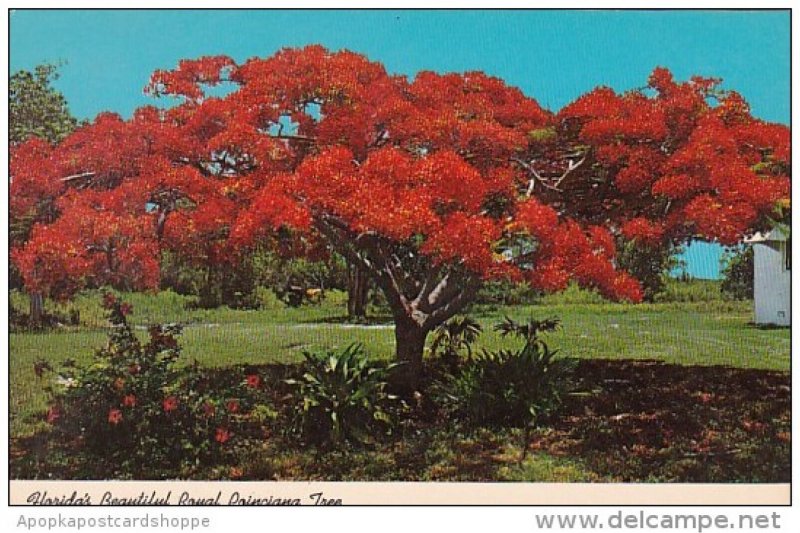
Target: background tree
{"x":358,"y":286}
{"x":738,"y":272}
{"x":651,"y":265}
{"x":35,"y":109}
{"x":432,"y":185}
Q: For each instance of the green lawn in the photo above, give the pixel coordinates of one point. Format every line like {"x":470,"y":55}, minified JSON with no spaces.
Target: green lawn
{"x":701,"y":333}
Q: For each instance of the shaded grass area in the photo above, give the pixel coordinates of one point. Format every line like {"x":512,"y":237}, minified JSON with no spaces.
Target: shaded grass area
{"x":697,"y":327}
{"x":651,"y":421}
{"x":623,"y":421}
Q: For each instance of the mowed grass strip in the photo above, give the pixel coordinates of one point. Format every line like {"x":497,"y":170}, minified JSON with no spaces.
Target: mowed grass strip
{"x":685,"y":332}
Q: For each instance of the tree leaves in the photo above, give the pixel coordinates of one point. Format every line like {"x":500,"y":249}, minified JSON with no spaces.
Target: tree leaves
{"x":36,"y":109}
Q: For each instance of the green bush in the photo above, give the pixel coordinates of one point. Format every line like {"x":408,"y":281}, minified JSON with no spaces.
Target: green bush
{"x":572,"y":295}
{"x":516,"y":388}
{"x":692,"y":291}
{"x":737,"y":273}
{"x":19,"y":321}
{"x":134,"y":407}
{"x":650,"y":265}
{"x":506,"y":293}
{"x":340,"y":397}
{"x":239,"y":282}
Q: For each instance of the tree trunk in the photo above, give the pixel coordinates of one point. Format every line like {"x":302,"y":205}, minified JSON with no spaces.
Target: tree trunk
{"x":357,"y":292}
{"x":421,"y":297}
{"x":36,"y":308}
{"x":409,"y":348}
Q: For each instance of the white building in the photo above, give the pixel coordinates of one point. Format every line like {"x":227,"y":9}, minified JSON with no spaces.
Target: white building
{"x":772,"y":283}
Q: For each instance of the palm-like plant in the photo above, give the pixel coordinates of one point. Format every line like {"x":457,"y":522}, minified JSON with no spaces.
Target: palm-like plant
{"x":341,"y":396}
{"x":511,"y":387}
{"x":528,"y":331}
{"x":455,"y":336}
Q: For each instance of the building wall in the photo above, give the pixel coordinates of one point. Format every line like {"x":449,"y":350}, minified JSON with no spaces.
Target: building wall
{"x":772,"y":284}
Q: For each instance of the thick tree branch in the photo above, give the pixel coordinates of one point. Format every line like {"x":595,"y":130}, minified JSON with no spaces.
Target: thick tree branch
{"x":325,"y":226}
{"x":551,"y":183}
{"x":287,"y":136}
{"x":393,"y":275}
{"x":455,"y":305}
{"x":435,"y":302}
{"x":74,"y":177}
{"x":373,"y":259}
{"x":442,"y":292}
{"x":428,"y":284}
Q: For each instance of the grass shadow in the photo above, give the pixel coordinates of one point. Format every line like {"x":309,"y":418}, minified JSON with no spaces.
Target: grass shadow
{"x":376,"y":320}
{"x":640,"y":420}
{"x":767,"y":327}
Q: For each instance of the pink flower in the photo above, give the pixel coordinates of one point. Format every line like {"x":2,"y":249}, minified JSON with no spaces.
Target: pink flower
{"x":129,"y":400}
{"x":222,"y":435}
{"x":114,"y":416}
{"x":109,"y":300}
{"x":53,"y":414}
{"x":170,"y":404}
{"x":705,"y":397}
{"x":233,"y":406}
{"x":253,"y":381}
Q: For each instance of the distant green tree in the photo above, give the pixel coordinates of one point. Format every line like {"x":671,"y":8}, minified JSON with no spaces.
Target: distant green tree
{"x":737,"y":273}
{"x":36,"y":108}
{"x":649,"y":264}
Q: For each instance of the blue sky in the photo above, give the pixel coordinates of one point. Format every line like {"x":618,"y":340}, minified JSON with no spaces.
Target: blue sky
{"x":553,"y":56}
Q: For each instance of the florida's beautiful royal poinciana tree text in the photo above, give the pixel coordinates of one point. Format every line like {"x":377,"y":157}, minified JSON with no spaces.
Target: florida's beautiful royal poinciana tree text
{"x":431,"y":185}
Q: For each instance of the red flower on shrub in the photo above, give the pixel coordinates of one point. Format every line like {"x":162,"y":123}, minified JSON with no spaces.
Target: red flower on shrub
{"x":39,"y":368}
{"x":753,"y":426}
{"x":170,"y":404}
{"x":705,"y":397}
{"x":129,"y":400}
{"x":114,"y":416}
{"x":109,"y":300}
{"x":232,"y":406}
{"x":53,"y":414}
{"x":222,"y":436}
{"x":209,"y":409}
{"x":253,"y":381}
{"x":125,"y":308}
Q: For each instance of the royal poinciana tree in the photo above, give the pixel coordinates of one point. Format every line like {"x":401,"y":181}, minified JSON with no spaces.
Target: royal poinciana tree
{"x":36,"y":109}
{"x":431,"y":185}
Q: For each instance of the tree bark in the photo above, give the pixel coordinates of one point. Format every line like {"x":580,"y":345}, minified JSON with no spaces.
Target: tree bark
{"x":36,"y":308}
{"x":409,"y":349}
{"x":357,"y":292}
{"x":420,"y":297}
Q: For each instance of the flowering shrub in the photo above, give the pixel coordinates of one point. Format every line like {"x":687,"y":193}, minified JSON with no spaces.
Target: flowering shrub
{"x":143,"y":413}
